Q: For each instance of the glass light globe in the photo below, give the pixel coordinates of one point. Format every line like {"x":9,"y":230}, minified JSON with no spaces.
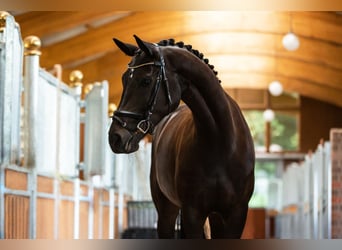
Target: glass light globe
{"x":268,"y":115}
{"x":275,"y":88}
{"x":276,"y":148}
{"x":291,"y":41}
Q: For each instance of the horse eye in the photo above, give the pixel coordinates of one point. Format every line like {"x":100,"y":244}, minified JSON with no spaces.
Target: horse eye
{"x":145,"y":82}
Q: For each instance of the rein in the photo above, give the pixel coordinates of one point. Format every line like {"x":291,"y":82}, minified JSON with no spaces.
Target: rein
{"x":145,"y":125}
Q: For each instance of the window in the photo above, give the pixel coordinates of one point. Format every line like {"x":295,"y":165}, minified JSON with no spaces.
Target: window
{"x":267,"y":188}
{"x":279,"y":135}
{"x":256,"y":123}
{"x":282,"y":133}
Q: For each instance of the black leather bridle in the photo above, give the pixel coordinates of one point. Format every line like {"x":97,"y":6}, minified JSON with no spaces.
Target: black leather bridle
{"x":145,"y":124}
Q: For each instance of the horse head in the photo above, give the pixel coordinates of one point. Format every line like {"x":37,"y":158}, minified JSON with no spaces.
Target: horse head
{"x":149,"y":94}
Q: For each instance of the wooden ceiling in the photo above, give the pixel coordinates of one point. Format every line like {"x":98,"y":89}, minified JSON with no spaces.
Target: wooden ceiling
{"x":245,"y":47}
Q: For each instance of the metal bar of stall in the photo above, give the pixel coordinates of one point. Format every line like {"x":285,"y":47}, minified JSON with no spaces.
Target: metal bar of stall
{"x":32,"y":188}
{"x":91,"y":211}
{"x":2,"y":202}
{"x":100,"y":235}
{"x":31,"y":85}
{"x":111,"y":213}
{"x":56,"y":193}
{"x":76,"y":200}
{"x":11,"y":54}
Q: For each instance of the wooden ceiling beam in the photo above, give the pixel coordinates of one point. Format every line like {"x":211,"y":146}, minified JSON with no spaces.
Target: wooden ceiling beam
{"x":174,"y":24}
{"x":278,"y":66}
{"x":242,"y":46}
{"x":114,"y":64}
{"x":232,"y":43}
{"x":258,"y":81}
{"x":46,"y":23}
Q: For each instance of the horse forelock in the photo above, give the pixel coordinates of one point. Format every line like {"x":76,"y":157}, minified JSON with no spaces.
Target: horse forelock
{"x":188,"y":47}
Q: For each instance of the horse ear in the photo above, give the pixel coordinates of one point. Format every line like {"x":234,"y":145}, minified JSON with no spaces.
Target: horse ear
{"x":144,"y":46}
{"x":128,"y":49}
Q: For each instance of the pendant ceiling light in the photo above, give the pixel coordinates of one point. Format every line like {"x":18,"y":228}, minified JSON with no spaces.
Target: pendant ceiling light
{"x":268,"y":115}
{"x":275,"y":88}
{"x":290,"y":40}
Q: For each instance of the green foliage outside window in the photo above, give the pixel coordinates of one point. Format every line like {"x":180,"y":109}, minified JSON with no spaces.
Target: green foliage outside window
{"x":256,"y":125}
{"x":284,"y":131}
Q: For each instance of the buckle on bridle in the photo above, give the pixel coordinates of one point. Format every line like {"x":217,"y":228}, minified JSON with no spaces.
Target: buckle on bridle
{"x":140,"y":126}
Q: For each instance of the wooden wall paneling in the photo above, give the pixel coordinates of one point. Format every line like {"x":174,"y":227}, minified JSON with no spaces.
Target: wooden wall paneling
{"x":66,"y":220}
{"x":105,"y":222}
{"x":17,"y":213}
{"x":67,"y":188}
{"x":84,"y":213}
{"x":328,"y":116}
{"x":255,"y":227}
{"x":15,"y":180}
{"x":45,"y":184}
{"x":84,"y":189}
{"x":45,"y":224}
{"x":96,"y":209}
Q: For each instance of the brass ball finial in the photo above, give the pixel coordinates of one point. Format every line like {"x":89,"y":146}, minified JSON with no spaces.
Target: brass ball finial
{"x":3,"y":16}
{"x":76,"y":77}
{"x":111,"y":108}
{"x":87,"y":88}
{"x":32,"y":46}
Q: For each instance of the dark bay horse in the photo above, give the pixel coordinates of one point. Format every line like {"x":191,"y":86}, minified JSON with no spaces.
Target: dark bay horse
{"x":202,"y":152}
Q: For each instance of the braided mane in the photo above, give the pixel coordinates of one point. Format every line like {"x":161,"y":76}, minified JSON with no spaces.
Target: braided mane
{"x":171,"y":42}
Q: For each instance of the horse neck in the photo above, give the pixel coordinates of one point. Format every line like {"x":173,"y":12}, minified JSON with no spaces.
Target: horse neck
{"x":208,"y":102}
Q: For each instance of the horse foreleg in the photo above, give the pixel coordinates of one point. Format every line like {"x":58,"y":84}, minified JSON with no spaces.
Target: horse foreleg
{"x":234,"y":222}
{"x":193,"y":223}
{"x":166,"y":221}
{"x":167,"y":213}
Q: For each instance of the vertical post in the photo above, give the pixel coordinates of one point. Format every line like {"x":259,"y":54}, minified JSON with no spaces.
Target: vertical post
{"x":111,"y":213}
{"x":2,"y":202}
{"x":56,"y":191}
{"x":31,"y":81}
{"x":77,"y":208}
{"x":314,"y":199}
{"x":91,"y":211}
{"x":32,"y":46}
{"x":11,"y":54}
{"x":110,"y":170}
{"x":336,"y":183}
{"x":327,"y":191}
{"x":119,"y":162}
{"x":3,"y":16}
{"x":100,"y":216}
{"x":76,"y":77}
{"x":120,"y":210}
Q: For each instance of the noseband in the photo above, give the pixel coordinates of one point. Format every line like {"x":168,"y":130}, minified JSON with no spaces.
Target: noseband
{"x":145,"y":125}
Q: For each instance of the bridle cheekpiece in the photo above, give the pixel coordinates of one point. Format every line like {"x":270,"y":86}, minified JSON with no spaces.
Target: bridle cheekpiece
{"x":145,"y":124}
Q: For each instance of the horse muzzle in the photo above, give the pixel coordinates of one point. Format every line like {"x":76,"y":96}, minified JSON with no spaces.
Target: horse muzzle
{"x":123,"y":141}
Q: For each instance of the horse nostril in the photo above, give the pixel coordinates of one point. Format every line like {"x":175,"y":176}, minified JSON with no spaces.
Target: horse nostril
{"x":114,"y":141}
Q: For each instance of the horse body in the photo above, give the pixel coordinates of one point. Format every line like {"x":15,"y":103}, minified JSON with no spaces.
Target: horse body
{"x":200,"y":174}
{"x":202,"y":153}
